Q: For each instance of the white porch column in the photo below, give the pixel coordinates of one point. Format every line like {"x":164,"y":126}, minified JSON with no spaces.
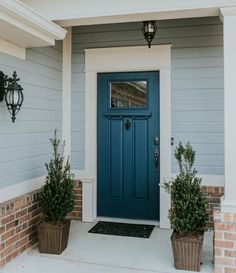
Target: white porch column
{"x":228,"y":16}
{"x":66,"y":92}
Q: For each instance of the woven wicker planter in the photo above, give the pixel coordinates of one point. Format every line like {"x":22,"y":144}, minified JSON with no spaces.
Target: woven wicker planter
{"x":187,"y":252}
{"x":53,"y":238}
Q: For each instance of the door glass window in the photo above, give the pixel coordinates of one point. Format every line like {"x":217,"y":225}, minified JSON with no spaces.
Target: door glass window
{"x":129,"y":94}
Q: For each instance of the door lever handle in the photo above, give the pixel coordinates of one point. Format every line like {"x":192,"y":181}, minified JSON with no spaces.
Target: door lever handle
{"x":156,"y":140}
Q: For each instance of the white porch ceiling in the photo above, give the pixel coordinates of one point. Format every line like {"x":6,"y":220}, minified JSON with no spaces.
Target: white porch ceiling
{"x":80,"y":12}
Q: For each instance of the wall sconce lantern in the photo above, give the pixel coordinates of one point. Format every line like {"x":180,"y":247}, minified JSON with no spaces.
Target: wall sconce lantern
{"x":11,"y":90}
{"x":149,"y":31}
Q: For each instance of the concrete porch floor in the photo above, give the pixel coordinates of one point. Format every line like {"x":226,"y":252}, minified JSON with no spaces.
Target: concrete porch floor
{"x":95,"y":253}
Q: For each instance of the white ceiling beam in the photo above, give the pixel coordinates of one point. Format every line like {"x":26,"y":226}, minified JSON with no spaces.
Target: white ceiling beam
{"x":138,"y":17}
{"x":80,"y":12}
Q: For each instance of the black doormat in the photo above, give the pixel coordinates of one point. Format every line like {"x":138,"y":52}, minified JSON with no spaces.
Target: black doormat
{"x":121,"y":229}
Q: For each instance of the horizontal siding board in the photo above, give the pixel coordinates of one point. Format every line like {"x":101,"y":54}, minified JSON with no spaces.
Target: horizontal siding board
{"x":77,"y":136}
{"x":32,"y":67}
{"x":22,"y":176}
{"x":198,"y":73}
{"x":78,"y":154}
{"x":25,"y":145}
{"x":24,"y":139}
{"x":39,"y":58}
{"x":17,"y":153}
{"x":77,"y":59}
{"x":78,"y":105}
{"x":200,"y":83}
{"x":197,"y":52}
{"x":24,"y":164}
{"x":179,"y":42}
{"x":39,"y":103}
{"x":163,"y":33}
{"x":33,"y":114}
{"x":198,"y":116}
{"x":29,"y":126}
{"x":79,"y":117}
{"x":50,"y":52}
{"x":197,"y":127}
{"x":209,"y":149}
{"x":199,"y":138}
{"x":197,"y":94}
{"x":78,"y":88}
{"x":39,"y":92}
{"x":204,"y":170}
{"x":77,"y":165}
{"x":200,"y":62}
{"x":193,"y":105}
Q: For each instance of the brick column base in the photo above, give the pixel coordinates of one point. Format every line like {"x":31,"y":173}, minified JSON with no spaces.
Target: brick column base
{"x":225,"y":242}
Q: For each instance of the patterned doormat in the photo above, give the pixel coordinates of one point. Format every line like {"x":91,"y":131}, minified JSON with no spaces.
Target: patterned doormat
{"x":121,"y":229}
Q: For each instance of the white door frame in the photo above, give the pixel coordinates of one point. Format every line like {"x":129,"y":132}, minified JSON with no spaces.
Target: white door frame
{"x":125,"y":59}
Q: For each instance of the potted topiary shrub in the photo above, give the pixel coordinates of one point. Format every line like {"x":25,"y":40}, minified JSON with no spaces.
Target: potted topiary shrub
{"x":56,"y":201}
{"x":188,"y":213}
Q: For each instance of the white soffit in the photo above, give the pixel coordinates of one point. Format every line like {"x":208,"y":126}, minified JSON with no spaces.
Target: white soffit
{"x":80,"y":12}
{"x":21,"y":27}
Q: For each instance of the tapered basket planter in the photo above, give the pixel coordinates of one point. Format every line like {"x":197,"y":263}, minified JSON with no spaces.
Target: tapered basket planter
{"x":187,"y":251}
{"x":53,"y":238}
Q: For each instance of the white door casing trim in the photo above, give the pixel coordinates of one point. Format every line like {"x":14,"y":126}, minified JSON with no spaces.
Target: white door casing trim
{"x":124,"y":59}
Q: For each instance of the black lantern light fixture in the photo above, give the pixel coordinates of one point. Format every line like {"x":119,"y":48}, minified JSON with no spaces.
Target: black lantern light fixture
{"x":149,"y":31}
{"x":11,"y":90}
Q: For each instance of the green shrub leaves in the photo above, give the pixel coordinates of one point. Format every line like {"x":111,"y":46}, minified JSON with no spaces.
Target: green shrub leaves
{"x":57,"y":198}
{"x":188,"y":204}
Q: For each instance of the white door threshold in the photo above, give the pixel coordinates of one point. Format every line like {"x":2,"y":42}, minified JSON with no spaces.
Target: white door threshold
{"x":128,"y":221}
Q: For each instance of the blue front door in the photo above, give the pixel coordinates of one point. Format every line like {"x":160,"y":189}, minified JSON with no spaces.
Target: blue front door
{"x":128,"y":145}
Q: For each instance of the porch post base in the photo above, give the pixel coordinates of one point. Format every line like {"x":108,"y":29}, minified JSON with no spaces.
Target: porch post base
{"x":228,"y":206}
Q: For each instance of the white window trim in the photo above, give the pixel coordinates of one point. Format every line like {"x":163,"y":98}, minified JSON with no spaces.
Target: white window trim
{"x":124,"y":59}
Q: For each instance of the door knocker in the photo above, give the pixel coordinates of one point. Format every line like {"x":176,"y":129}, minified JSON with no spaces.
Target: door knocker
{"x":127,"y":124}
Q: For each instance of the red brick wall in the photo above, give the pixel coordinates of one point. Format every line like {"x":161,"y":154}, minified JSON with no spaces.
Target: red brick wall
{"x":225,"y":242}
{"x":213,"y":195}
{"x":19,"y":218}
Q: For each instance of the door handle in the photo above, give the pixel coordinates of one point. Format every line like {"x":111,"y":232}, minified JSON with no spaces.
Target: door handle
{"x":156,"y":158}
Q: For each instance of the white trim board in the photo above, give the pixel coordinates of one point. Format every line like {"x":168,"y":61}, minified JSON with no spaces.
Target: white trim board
{"x":21,"y":188}
{"x":124,"y":59}
{"x":66,"y":92}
